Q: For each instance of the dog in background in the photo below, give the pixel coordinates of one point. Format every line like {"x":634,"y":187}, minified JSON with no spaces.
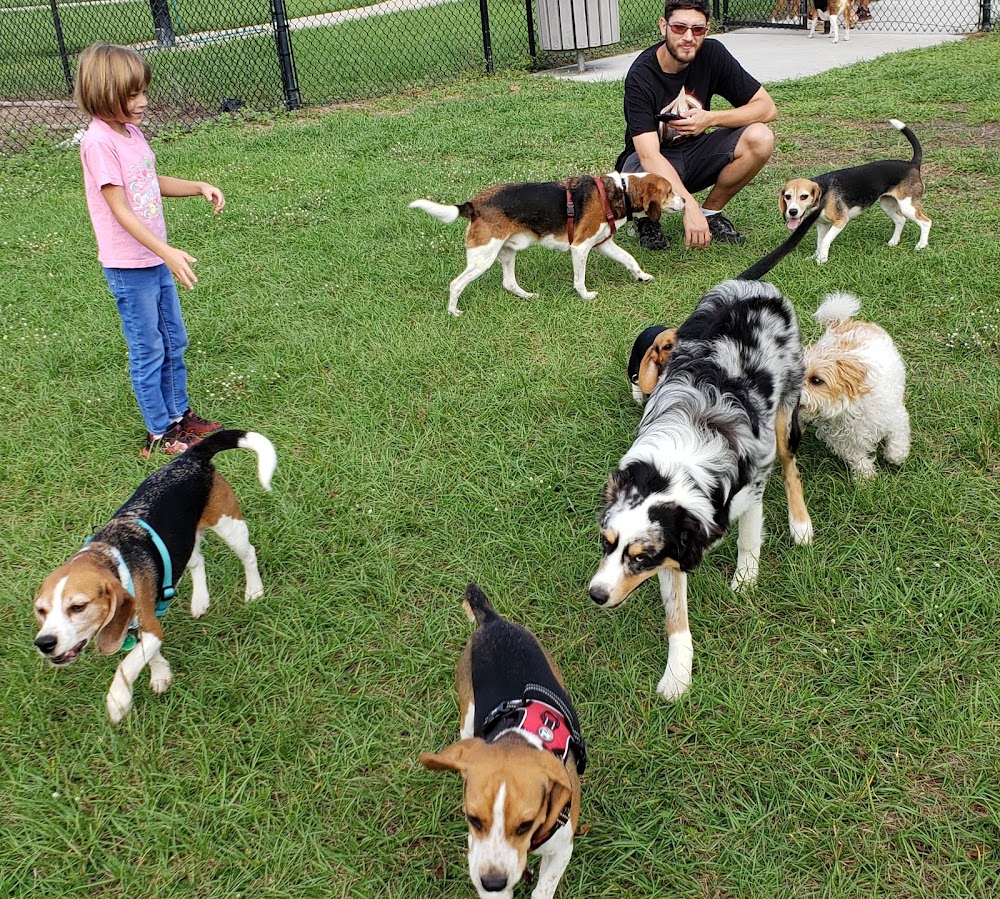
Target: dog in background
{"x":580,"y":214}
{"x":521,"y":755}
{"x":122,"y":579}
{"x":855,"y":380}
{"x":649,"y":356}
{"x":844,"y":194}
{"x":830,"y":11}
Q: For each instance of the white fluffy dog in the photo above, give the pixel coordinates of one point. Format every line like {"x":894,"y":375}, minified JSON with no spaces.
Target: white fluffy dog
{"x":853,"y":393}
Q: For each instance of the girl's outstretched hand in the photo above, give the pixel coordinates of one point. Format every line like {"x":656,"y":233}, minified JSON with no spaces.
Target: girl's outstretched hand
{"x":214,"y":196}
{"x":180,"y":264}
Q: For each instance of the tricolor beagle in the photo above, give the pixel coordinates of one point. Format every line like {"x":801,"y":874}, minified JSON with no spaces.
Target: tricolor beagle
{"x":845,"y":193}
{"x":122,"y":578}
{"x":580,"y":214}
{"x":521,"y":755}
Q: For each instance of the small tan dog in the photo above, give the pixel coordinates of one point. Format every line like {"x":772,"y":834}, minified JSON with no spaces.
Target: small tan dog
{"x":830,"y":11}
{"x":854,"y":385}
{"x":521,"y":755}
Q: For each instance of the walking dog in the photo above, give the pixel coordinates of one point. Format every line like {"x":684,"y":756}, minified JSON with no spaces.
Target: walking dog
{"x":580,"y":214}
{"x":121,"y":580}
{"x":830,"y":11}
{"x":521,"y":755}
{"x":724,"y":402}
{"x":844,"y":194}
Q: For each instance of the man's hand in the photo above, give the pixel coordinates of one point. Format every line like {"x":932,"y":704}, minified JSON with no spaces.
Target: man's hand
{"x":696,"y":122}
{"x":696,"y":233}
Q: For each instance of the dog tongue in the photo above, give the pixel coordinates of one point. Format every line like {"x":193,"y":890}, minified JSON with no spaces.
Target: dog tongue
{"x":794,"y":223}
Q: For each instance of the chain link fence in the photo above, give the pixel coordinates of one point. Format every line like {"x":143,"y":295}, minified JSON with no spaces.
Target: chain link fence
{"x":216,"y":56}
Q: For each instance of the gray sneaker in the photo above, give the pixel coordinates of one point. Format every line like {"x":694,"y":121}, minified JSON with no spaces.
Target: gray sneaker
{"x":651,"y":236}
{"x":724,"y":230}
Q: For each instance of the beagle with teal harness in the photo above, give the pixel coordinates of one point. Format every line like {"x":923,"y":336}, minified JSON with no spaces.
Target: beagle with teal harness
{"x":120,"y":583}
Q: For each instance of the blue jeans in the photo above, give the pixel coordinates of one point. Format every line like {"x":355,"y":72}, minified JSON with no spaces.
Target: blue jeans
{"x":154,"y":331}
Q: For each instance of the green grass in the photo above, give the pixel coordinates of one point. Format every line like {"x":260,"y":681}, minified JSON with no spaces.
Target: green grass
{"x":841,"y":736}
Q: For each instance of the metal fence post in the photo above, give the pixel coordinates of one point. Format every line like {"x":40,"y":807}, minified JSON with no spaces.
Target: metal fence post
{"x":283,"y":43}
{"x":484,"y":18}
{"x":985,"y":14}
{"x":63,"y":55}
{"x":532,"y":52}
{"x":162,"y":25}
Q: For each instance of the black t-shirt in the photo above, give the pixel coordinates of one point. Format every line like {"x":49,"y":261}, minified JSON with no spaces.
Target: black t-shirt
{"x":649,"y":90}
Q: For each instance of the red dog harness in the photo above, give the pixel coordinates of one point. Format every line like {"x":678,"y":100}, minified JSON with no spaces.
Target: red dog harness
{"x":544,"y":724}
{"x":608,"y":214}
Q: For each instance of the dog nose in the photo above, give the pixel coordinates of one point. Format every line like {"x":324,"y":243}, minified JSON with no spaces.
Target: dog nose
{"x":494,"y":881}
{"x":599,"y":595}
{"x":46,"y":644}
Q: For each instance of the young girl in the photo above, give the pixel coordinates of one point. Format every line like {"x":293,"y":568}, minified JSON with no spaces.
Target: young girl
{"x":126,"y":210}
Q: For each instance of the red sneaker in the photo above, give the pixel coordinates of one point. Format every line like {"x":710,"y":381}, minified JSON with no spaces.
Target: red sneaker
{"x":197,"y":426}
{"x":173,"y":442}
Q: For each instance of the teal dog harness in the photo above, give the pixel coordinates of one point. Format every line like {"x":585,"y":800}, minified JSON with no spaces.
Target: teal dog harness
{"x":166,"y":590}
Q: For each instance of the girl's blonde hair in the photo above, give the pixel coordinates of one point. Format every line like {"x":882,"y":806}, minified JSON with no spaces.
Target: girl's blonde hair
{"x":107,"y":77}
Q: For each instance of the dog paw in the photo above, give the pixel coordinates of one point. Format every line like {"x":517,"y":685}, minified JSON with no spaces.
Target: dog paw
{"x":161,"y":679}
{"x":588,"y":294}
{"x":864,"y":470}
{"x":802,"y":532}
{"x":893,"y":242}
{"x":253,"y":592}
{"x":673,"y":685}
{"x":199,"y":604}
{"x":455,"y":312}
{"x":744,"y":579}
{"x":119,"y":702}
{"x":643,"y":276}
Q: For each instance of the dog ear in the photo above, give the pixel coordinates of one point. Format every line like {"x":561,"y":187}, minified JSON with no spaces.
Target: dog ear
{"x":560,"y":792}
{"x":617,"y":481}
{"x":656,"y":359}
{"x":781,"y":199}
{"x":456,"y":757}
{"x":692,"y":541}
{"x":851,"y":375}
{"x":121,"y":608}
{"x":653,"y":211}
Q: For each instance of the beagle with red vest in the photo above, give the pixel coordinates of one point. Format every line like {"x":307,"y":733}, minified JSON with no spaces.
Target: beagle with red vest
{"x":118,"y":585}
{"x":521,"y":755}
{"x":579,"y":214}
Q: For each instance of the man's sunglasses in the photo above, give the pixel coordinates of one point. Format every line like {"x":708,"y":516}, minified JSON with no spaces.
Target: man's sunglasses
{"x":696,"y":30}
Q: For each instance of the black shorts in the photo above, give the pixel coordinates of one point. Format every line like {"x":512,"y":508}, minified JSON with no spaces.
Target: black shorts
{"x":698,"y":160}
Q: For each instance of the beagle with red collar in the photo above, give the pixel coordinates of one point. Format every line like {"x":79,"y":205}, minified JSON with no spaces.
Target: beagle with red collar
{"x":521,"y":755}
{"x":844,"y":194}
{"x":580,"y":214}
{"x":119,"y":584}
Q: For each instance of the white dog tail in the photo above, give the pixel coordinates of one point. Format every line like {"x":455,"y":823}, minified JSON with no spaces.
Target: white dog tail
{"x":446,"y":214}
{"x":837,"y":307}
{"x":267,"y":458}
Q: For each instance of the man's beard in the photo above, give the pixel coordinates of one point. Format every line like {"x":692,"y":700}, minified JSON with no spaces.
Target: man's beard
{"x":674,"y":52}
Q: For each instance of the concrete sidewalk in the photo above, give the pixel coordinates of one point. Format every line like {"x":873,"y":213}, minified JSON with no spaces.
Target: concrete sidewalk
{"x":774,"y":54}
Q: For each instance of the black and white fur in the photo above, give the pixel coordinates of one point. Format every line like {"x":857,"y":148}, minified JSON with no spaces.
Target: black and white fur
{"x":725,"y":404}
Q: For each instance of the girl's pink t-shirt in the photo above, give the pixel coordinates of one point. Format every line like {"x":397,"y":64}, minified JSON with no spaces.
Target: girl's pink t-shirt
{"x":111,"y":158}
